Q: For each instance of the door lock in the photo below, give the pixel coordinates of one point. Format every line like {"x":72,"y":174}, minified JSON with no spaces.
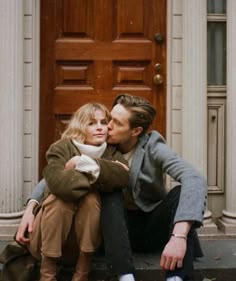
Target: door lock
{"x":158,"y":79}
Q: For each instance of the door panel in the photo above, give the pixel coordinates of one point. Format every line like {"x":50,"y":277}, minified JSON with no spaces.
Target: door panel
{"x":94,"y":50}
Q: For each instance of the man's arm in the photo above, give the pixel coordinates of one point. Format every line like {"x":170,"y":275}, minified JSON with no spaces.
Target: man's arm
{"x":38,"y":191}
{"x":193,"y":193}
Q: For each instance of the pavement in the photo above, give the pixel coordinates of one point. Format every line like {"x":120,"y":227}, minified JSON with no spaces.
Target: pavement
{"x":218,"y":263}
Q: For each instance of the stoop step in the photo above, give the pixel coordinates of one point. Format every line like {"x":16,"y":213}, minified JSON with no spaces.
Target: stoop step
{"x":218,"y":264}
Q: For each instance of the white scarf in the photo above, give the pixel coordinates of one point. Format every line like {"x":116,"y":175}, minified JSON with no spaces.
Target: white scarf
{"x":92,"y":151}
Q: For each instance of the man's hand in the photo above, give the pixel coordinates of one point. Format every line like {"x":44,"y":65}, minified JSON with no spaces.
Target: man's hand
{"x":175,"y":250}
{"x":173,"y":253}
{"x":122,"y":164}
{"x":26,"y":224}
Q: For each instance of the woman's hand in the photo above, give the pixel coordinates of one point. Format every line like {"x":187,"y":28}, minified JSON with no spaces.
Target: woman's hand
{"x":72,"y":162}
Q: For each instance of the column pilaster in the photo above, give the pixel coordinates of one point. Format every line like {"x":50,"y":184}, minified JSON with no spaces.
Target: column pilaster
{"x":195,"y":89}
{"x":11,"y":115}
{"x":228,"y":221}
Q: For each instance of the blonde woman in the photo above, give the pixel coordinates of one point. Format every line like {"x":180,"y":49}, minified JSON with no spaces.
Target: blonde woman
{"x":69,"y":221}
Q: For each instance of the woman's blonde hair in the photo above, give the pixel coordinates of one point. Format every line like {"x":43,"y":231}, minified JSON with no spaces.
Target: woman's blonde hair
{"x":81,"y":118}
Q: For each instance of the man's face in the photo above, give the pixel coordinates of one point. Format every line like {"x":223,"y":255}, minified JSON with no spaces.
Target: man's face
{"x":119,"y":131}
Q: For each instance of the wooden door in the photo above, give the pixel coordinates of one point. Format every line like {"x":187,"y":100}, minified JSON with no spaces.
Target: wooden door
{"x":93,"y":50}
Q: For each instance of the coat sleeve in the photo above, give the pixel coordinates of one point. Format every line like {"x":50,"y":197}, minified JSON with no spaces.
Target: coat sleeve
{"x":68,"y":184}
{"x":193,"y":195}
{"x":38,"y":191}
{"x":113,"y":176}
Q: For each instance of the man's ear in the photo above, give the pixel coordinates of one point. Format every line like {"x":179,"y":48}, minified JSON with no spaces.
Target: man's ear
{"x":137,"y":131}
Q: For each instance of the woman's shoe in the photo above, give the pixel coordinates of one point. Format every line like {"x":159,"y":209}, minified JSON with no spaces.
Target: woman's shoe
{"x":48,"y":269}
{"x":83,"y":267}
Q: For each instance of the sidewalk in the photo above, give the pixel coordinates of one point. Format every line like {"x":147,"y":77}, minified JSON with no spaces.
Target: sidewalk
{"x":218,"y":264}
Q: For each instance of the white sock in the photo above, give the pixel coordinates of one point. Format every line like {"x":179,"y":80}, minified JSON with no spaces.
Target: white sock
{"x":174,"y":278}
{"x":127,"y":277}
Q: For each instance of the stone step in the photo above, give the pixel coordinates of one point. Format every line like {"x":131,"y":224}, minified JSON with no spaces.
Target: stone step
{"x":218,"y":264}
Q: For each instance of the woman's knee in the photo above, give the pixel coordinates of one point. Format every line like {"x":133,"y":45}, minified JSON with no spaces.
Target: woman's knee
{"x":90,"y":201}
{"x":53,"y":202}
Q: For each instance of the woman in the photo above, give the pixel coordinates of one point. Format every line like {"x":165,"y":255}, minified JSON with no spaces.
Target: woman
{"x":71,"y":209}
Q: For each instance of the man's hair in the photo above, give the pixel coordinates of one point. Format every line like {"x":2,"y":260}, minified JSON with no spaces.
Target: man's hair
{"x":81,"y":118}
{"x":142,"y":112}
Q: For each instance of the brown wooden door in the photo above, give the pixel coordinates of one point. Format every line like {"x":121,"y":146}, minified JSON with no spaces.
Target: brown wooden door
{"x":92,"y":50}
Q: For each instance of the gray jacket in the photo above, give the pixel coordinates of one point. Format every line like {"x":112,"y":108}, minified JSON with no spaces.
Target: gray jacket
{"x":152,"y":159}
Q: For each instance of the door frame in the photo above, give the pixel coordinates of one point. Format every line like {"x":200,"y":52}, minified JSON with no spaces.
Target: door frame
{"x":46,"y":103}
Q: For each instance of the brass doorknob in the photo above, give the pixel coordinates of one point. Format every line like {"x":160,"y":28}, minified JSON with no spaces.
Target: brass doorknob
{"x":158,"y":79}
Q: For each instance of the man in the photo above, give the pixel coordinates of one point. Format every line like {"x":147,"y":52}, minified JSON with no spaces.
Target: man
{"x":154,"y":218}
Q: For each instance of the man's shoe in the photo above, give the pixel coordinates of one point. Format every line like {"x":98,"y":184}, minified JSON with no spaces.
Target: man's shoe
{"x":174,"y":278}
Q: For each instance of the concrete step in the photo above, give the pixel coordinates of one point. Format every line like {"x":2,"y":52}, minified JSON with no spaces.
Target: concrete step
{"x":218,"y":264}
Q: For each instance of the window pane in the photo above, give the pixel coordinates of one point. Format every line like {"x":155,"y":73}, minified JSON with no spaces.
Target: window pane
{"x":216,"y":53}
{"x":216,"y":6}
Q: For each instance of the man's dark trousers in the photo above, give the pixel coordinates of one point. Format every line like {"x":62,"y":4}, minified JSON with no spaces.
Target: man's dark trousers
{"x":125,"y":231}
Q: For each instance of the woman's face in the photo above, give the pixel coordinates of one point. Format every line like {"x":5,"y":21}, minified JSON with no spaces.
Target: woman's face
{"x":96,"y":130}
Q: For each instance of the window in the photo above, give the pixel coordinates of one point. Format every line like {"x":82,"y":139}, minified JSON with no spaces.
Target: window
{"x":216,"y":43}
{"x":216,"y":94}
